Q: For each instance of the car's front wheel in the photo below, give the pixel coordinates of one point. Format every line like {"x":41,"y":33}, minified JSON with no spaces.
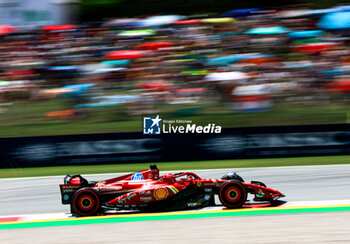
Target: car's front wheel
{"x":232,"y":194}
{"x":86,"y":202}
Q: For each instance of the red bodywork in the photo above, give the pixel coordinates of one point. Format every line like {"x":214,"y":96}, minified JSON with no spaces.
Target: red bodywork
{"x":144,"y":188}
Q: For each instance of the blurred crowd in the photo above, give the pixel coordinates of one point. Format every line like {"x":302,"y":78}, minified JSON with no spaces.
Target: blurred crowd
{"x":245,"y":60}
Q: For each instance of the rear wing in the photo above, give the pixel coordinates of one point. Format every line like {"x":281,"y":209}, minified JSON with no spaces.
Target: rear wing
{"x":72,"y":183}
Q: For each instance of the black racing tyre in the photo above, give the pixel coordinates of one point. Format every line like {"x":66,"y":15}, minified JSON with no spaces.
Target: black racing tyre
{"x":86,"y":202}
{"x":232,"y":194}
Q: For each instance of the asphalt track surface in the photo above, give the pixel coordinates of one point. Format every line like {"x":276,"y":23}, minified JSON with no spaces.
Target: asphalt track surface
{"x":308,"y":228}
{"x":303,"y":183}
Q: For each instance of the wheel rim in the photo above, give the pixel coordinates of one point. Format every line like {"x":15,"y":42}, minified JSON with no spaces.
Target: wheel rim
{"x":233,"y":194}
{"x":86,"y":202}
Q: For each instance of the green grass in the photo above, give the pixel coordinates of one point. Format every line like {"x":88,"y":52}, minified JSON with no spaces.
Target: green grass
{"x":28,"y":118}
{"x":112,"y":168}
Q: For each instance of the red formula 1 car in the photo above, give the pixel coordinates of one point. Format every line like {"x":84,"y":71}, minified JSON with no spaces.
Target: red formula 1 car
{"x":147,"y":191}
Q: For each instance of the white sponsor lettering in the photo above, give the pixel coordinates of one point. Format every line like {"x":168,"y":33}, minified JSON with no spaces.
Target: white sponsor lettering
{"x":118,"y":188}
{"x":68,"y":190}
{"x":193,"y":204}
{"x":192,"y":128}
{"x":126,"y":198}
{"x":146,"y":199}
{"x":122,"y":200}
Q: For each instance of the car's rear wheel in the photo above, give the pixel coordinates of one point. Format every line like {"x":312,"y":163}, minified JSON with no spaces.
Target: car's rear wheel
{"x":232,"y":194}
{"x":86,"y":202}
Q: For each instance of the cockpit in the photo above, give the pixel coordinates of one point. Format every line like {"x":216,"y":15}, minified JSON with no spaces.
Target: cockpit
{"x":181,"y":177}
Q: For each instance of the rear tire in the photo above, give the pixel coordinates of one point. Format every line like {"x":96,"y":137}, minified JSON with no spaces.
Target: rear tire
{"x":233,"y":194}
{"x":86,"y":202}
{"x":72,"y":211}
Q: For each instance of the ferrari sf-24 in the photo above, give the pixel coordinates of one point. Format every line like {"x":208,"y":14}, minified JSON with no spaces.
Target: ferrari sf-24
{"x":148,"y":191}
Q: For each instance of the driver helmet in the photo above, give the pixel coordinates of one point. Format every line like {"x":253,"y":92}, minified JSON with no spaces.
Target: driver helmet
{"x":168,"y":178}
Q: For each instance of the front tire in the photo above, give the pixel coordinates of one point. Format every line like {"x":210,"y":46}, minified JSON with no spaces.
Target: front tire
{"x":233,"y":194}
{"x":86,"y":202}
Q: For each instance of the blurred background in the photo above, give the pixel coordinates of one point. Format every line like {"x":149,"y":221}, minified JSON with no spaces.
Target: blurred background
{"x":95,"y":66}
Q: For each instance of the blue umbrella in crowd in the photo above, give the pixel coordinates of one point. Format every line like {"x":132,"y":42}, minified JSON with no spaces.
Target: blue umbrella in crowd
{"x":64,"y":68}
{"x":342,"y":8}
{"x":224,"y":60}
{"x":267,"y":30}
{"x":256,"y":56}
{"x":77,"y":89}
{"x":298,"y":64}
{"x":120,"y":62}
{"x":335,"y":21}
{"x":305,"y":34}
{"x":226,"y":34}
{"x":241,"y":13}
{"x":227,"y":60}
{"x":336,"y":71}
